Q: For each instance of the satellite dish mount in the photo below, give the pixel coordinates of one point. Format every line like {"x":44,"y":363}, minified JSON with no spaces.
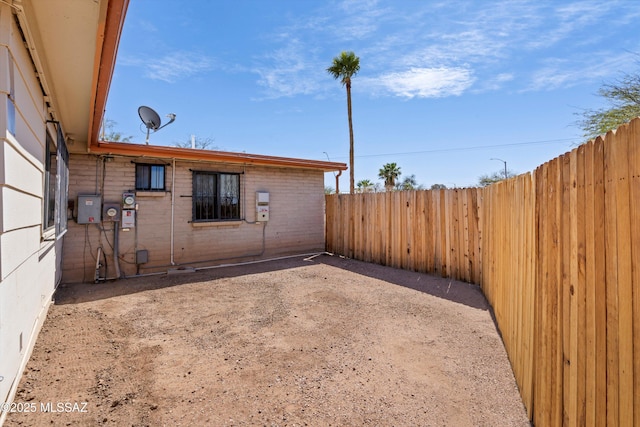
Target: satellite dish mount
{"x":151,"y":120}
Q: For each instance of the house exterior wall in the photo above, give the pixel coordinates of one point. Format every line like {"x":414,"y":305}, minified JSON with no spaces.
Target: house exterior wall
{"x":29,"y":255}
{"x":296,"y":223}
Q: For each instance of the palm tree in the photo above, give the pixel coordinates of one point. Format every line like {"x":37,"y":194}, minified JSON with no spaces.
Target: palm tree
{"x":365,"y":186}
{"x":344,"y":67}
{"x":389,"y":173}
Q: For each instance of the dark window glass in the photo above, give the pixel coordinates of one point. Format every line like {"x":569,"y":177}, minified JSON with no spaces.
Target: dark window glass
{"x":63,"y":184}
{"x":216,"y":196}
{"x":150,"y":177}
{"x":50,"y":183}
{"x":11,"y":99}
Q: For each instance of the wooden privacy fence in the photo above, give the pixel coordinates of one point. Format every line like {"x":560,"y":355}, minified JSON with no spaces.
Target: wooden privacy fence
{"x":429,"y":231}
{"x":557,"y":254}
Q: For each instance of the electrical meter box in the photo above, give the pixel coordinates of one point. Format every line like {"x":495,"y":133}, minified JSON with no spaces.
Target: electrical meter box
{"x":128,"y":201}
{"x":262,"y":206}
{"x":111,"y":212}
{"x":89,"y":209}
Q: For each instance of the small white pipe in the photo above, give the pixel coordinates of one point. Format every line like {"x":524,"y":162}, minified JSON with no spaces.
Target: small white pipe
{"x":96,"y":273}
{"x":309,"y":256}
{"x":173,"y":202}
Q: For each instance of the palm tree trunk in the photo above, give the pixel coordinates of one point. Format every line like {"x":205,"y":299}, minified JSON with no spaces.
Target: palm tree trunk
{"x":351,"y":161}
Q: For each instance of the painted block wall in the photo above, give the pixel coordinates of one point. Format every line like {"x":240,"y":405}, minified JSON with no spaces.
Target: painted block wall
{"x":28,"y":255}
{"x":296,"y":222}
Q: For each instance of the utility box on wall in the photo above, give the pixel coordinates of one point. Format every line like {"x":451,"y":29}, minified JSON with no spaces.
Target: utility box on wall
{"x":128,"y":218}
{"x":89,"y":209}
{"x":111,"y":212}
{"x":262,"y":206}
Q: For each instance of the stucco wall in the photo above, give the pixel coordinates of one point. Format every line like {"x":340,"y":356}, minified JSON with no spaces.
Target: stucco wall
{"x":296,"y":222}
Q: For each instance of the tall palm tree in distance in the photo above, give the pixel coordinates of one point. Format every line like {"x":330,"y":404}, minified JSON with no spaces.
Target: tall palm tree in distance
{"x":345,"y":66}
{"x":389,"y":173}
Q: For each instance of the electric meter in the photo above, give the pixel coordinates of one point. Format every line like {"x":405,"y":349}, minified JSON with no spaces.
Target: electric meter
{"x":128,"y":200}
{"x":111,"y":212}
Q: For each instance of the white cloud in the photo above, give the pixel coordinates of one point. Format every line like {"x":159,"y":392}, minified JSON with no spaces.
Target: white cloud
{"x":360,"y":18}
{"x":170,"y":67}
{"x":562,"y":73}
{"x":427,"y":49}
{"x":176,"y":66}
{"x":495,"y":83}
{"x":288,"y":72}
{"x":424,"y":82}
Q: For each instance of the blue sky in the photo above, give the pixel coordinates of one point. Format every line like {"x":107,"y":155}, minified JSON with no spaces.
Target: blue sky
{"x":444,"y":86}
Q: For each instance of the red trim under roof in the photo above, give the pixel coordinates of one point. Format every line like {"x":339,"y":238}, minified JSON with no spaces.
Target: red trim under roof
{"x":158,"y":151}
{"x":106,"y":51}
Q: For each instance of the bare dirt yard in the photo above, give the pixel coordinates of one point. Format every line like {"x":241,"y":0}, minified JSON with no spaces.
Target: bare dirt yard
{"x":325,"y":341}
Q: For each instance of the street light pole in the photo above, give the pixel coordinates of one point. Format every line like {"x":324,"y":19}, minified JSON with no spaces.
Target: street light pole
{"x":505,"y":166}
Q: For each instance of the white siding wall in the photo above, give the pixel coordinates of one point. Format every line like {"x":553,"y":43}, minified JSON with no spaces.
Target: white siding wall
{"x":27,"y":260}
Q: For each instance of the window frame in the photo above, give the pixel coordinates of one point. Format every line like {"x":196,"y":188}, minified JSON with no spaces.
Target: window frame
{"x":11,"y":100}
{"x":55,"y":194}
{"x":150,"y":186}
{"x":50,"y":183}
{"x":217,"y":213}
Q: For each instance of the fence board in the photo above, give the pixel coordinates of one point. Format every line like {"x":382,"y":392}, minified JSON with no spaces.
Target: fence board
{"x":566,"y":314}
{"x":600,"y":277}
{"x":611,"y":250}
{"x":542,"y":413}
{"x":625,"y":289}
{"x":634,"y":184}
{"x":578,"y":279}
{"x":557,"y":379}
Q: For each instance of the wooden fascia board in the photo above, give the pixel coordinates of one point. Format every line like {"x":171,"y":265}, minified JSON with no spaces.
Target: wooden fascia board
{"x":155,"y":151}
{"x":107,"y":42}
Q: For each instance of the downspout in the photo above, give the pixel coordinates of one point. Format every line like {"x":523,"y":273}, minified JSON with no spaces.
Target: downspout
{"x":173,"y":202}
{"x":338,"y":182}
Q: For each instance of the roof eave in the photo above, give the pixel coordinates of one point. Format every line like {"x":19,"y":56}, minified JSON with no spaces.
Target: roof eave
{"x":106,"y":51}
{"x":163,"y":152}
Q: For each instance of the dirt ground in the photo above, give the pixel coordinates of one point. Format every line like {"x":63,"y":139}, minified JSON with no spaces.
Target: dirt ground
{"x":321,"y":342}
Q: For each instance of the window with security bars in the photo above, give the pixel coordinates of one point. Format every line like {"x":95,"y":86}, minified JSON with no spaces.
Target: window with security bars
{"x":149,"y":177}
{"x":216,"y":196}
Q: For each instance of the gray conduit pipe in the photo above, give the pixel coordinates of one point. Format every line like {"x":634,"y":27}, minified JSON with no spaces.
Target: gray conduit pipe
{"x":116,"y":251}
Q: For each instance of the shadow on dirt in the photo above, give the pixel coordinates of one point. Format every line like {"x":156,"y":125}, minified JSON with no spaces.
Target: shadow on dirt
{"x":452,"y":290}
{"x":83,"y":292}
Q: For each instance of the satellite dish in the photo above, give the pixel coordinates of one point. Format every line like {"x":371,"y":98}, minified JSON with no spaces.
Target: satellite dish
{"x":151,"y":120}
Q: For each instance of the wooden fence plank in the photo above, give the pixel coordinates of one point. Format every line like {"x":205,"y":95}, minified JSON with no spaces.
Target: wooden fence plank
{"x":545,"y":276}
{"x":590,"y":291}
{"x":570,"y":278}
{"x":529,"y":349}
{"x":599,"y":272}
{"x":562,"y":251}
{"x":625,"y":286}
{"x":634,"y":184}
{"x":611,"y":258}
{"x":579,"y":279}
{"x":442,"y":233}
